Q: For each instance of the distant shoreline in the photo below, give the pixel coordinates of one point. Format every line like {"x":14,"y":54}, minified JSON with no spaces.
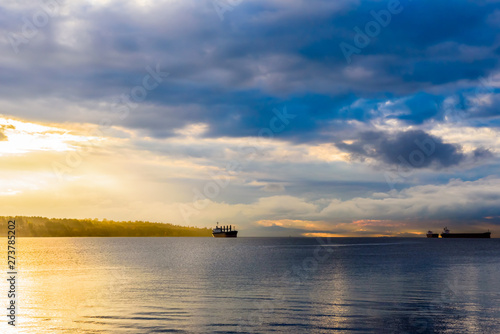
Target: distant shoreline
{"x":43,"y":227}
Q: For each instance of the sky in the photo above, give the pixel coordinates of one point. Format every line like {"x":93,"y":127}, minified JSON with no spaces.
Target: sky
{"x":284,"y":118}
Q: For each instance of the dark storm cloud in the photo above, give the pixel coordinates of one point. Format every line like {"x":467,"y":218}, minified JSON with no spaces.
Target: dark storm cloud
{"x":231,"y":74}
{"x":415,"y":147}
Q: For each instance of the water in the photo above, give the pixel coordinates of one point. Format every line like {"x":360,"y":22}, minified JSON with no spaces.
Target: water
{"x":257,"y":285}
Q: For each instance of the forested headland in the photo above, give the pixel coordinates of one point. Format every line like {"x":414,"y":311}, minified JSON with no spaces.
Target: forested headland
{"x":56,"y":227}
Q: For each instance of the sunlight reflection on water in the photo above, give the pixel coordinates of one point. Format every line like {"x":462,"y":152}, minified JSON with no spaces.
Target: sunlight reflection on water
{"x":199,"y":285}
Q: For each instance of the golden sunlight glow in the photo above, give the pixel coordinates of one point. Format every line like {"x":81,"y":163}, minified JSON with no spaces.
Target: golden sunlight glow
{"x":328,"y":152}
{"x":416,"y":233}
{"x":23,"y":137}
{"x":16,"y":185}
{"x":322,"y":235}
{"x":9,"y":192}
{"x":69,"y":300}
{"x":295,"y":223}
{"x":377,"y":223}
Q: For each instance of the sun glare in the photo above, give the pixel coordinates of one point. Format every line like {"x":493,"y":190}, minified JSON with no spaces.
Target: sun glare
{"x":22,"y":137}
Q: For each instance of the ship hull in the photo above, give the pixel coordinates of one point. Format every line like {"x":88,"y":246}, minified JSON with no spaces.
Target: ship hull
{"x":433,"y":235}
{"x":229,"y":234}
{"x":466,"y":235}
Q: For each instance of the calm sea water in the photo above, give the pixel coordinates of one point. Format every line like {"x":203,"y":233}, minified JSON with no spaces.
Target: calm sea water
{"x":256,"y":285}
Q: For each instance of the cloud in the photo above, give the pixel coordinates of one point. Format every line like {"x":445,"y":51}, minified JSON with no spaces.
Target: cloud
{"x":338,"y":198}
{"x":3,"y":127}
{"x":273,"y":187}
{"x":415,"y":148}
{"x":464,"y":205}
{"x":464,"y":202}
{"x":231,"y":74}
{"x":418,"y":81}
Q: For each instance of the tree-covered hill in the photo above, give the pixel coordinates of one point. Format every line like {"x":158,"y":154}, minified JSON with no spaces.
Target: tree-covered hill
{"x":54,"y":227}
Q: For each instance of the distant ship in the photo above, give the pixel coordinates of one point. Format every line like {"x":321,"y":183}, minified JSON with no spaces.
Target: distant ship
{"x":446,"y":234}
{"x":432,"y":235}
{"x":224,"y":231}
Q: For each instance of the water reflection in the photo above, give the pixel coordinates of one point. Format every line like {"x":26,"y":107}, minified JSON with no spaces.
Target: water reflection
{"x":124,"y":285}
{"x":62,"y":280}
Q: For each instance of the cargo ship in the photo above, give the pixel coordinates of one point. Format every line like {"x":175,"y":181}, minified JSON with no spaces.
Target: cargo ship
{"x":432,"y":235}
{"x":226,"y":231}
{"x":446,"y":234}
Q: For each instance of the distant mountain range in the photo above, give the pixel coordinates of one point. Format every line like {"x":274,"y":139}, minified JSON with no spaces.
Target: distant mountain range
{"x":56,"y":227}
